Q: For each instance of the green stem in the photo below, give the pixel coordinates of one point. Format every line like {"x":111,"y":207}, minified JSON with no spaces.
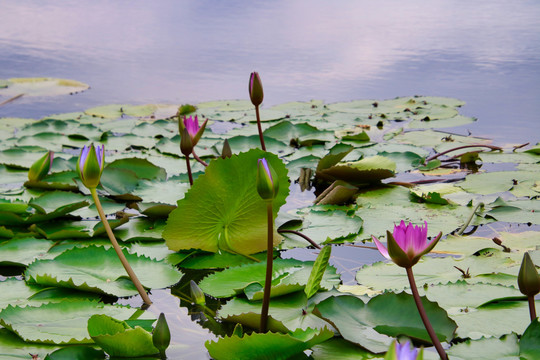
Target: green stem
{"x":189,"y":171}
{"x":305,"y":237}
{"x":260,"y":128}
{"x":118,"y":250}
{"x":532,"y":307}
{"x":423,"y":315}
{"x":462,"y":229}
{"x":269,"y":263}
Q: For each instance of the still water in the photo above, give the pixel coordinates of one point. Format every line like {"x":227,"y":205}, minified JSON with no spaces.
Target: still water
{"x":486,"y":53}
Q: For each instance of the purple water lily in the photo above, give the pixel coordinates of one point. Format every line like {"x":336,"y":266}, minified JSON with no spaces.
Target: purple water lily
{"x":90,"y":165}
{"x":407,"y":244}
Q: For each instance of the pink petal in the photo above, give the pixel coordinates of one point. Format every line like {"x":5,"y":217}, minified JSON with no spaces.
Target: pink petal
{"x":380,"y":246}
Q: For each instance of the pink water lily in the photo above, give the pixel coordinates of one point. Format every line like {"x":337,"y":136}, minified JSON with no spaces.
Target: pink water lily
{"x":191,"y":124}
{"x":407,"y":244}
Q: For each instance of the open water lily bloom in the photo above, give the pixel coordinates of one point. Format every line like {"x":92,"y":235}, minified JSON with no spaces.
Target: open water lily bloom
{"x":407,"y":244}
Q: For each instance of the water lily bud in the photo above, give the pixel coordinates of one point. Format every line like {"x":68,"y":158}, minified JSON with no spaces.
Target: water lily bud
{"x":528,"y":278}
{"x":255,"y":89}
{"x":186,"y":145}
{"x":161,"y":337}
{"x":226,"y":152}
{"x":267,"y":184}
{"x":41,"y":167}
{"x":403,"y":351}
{"x":90,"y":165}
{"x":197,"y":294}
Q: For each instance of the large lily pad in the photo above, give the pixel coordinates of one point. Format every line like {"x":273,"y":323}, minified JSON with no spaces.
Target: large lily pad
{"x":223,"y":209}
{"x":58,"y":323}
{"x":101,"y":271}
{"x":42,"y":87}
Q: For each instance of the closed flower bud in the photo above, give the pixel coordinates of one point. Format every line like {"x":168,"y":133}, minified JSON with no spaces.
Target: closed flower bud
{"x":41,"y":167}
{"x":255,"y":89}
{"x":161,"y":337}
{"x":226,"y":152}
{"x":90,"y":165}
{"x":528,"y":278}
{"x":197,"y":295}
{"x":186,"y":145}
{"x":267,"y":184}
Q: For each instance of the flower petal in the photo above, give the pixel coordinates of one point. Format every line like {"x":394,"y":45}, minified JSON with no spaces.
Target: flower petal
{"x":381,"y":248}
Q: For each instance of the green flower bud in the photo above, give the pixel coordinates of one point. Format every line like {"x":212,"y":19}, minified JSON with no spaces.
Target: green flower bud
{"x":90,"y":165}
{"x":186,"y":145}
{"x":226,"y":152}
{"x":528,"y":278}
{"x":41,"y":167}
{"x":267,"y":184}
{"x":161,"y":337}
{"x":255,"y":89}
{"x":197,"y":294}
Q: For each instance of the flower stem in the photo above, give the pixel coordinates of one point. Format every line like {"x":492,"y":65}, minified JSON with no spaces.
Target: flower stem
{"x":196,"y":157}
{"x":305,"y":237}
{"x":462,"y":229}
{"x":118,"y":250}
{"x":423,"y":315}
{"x":532,"y":307}
{"x":189,"y":171}
{"x":259,"y":127}
{"x":269,"y":263}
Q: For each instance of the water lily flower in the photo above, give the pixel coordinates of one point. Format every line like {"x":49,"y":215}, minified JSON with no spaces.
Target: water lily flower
{"x":267,"y":184}
{"x":41,"y":167}
{"x":403,"y":351}
{"x":90,"y":165}
{"x":191,"y":124}
{"x":407,"y":244}
{"x":255,"y":89}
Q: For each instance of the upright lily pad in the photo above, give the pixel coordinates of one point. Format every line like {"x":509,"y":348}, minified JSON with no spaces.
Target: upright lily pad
{"x":223,"y":209}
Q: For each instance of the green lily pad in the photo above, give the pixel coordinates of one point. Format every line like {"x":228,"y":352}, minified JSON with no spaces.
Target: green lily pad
{"x":269,"y":345}
{"x":288,"y":276}
{"x":102,"y":272}
{"x":117,"y":338}
{"x":223,"y":209}
{"x":58,"y":323}
{"x":365,"y":171}
{"x":370,"y":325}
{"x":23,"y":251}
{"x":42,"y":87}
{"x":506,"y":348}
{"x":115,"y":111}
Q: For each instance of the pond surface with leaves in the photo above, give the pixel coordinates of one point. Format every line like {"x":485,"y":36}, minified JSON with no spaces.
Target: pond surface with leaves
{"x":346,"y":170}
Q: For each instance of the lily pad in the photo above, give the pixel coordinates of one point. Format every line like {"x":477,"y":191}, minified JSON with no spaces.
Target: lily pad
{"x":42,"y":87}
{"x":101,"y":272}
{"x":223,"y":209}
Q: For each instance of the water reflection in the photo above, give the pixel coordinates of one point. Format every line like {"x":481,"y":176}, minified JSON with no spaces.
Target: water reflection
{"x":183,"y":51}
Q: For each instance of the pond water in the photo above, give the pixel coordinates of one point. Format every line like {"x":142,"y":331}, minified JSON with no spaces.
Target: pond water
{"x":486,"y":53}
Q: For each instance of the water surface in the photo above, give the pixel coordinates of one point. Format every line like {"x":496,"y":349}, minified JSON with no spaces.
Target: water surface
{"x":486,"y":53}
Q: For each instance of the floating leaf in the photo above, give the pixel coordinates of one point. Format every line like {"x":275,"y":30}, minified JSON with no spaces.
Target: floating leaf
{"x":58,"y":323}
{"x":269,"y":345}
{"x":101,"y":271}
{"x":42,"y":87}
